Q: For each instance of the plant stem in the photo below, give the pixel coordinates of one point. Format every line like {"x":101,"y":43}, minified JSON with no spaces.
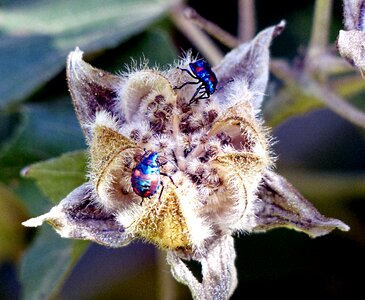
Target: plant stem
{"x":336,"y":103}
{"x":213,"y":29}
{"x":166,"y":284}
{"x":320,"y":29}
{"x":246,"y":20}
{"x":320,"y":91}
{"x":200,"y":40}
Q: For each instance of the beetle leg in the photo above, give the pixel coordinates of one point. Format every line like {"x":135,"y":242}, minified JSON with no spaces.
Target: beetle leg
{"x":162,"y":188}
{"x":189,"y":82}
{"x":198,"y":90}
{"x":187,"y":71}
{"x":169,"y":176}
{"x":163,"y":163}
{"x":202,"y":96}
{"x":222,"y":85}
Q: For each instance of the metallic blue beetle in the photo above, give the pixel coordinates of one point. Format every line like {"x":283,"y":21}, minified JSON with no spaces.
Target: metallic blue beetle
{"x":146,"y":176}
{"x":207,"y":80}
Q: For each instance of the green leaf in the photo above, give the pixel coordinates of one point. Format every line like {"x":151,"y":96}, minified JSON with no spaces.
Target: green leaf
{"x":49,"y":30}
{"x":33,"y":199}
{"x":296,"y":98}
{"x":46,"y":265}
{"x":58,"y":176}
{"x":290,"y":101}
{"x":157,"y":47}
{"x":154,"y":45}
{"x":48,"y":262}
{"x":12,"y":234}
{"x":45,"y":130}
{"x":8,"y":121}
{"x":349,"y":86}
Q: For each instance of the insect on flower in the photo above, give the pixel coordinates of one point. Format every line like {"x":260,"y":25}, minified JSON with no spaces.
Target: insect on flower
{"x":207,"y":80}
{"x":146,"y":176}
{"x":220,"y":157}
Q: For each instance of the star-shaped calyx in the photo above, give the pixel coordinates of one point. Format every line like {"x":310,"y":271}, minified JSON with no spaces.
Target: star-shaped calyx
{"x":215,"y":151}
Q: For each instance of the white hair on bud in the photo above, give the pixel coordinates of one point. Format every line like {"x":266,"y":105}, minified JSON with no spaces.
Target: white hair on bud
{"x":162,"y":143}
{"x":238,"y":91}
{"x":126,"y":218}
{"x":103,"y":118}
{"x":248,"y":220}
{"x":142,"y":126}
{"x":190,"y":203}
{"x":186,"y":58}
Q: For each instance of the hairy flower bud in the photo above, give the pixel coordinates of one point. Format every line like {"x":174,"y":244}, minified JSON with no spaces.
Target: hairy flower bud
{"x":212,"y":171}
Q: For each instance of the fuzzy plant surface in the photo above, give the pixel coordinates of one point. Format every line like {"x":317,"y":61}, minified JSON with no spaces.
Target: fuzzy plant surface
{"x":216,"y":152}
{"x":350,"y":41}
